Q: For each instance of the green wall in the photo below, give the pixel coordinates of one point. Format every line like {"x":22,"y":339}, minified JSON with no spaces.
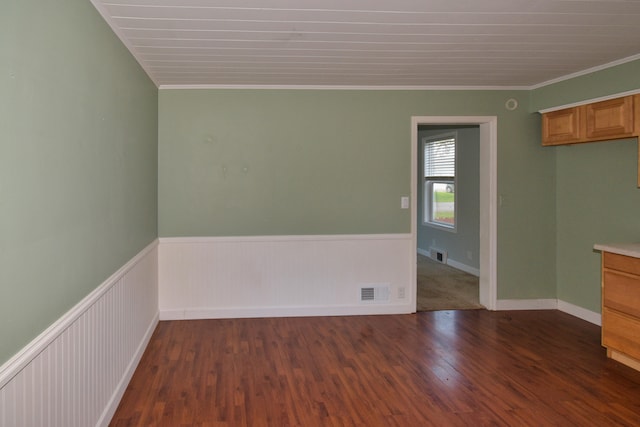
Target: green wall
{"x":598,"y":202}
{"x":78,"y":161}
{"x":287,"y":162}
{"x":282,"y":162}
{"x":596,"y":195}
{"x":466,"y":238}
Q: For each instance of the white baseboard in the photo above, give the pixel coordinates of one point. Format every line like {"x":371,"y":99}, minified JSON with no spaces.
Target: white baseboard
{"x":424,"y":252}
{"x":453,"y":263}
{"x":76,"y":371}
{"x":244,"y":312}
{"x":527,"y":304}
{"x":463,"y":267}
{"x":581,"y":313}
{"x":550,"y":304}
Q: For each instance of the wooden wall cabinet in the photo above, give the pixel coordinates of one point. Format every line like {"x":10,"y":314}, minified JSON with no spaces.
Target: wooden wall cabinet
{"x":621,"y":308}
{"x":611,"y":119}
{"x":598,"y":121}
{"x":562,"y":126}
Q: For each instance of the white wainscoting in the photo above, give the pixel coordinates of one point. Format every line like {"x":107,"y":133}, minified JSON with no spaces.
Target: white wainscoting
{"x":271,"y":276}
{"x":76,"y":371}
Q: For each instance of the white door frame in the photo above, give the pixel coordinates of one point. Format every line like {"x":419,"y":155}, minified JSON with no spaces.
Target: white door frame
{"x":488,"y":198}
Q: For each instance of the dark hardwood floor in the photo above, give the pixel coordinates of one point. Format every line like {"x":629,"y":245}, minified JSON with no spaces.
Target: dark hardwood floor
{"x":442,"y":368}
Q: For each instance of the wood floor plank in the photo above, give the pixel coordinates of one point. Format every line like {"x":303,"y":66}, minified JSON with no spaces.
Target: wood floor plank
{"x":428,"y":369}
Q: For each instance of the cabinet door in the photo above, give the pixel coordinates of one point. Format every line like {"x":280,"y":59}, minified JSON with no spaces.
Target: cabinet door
{"x":636,"y":114}
{"x":621,"y":333}
{"x":562,"y":126}
{"x":636,"y":122}
{"x":610,"y":119}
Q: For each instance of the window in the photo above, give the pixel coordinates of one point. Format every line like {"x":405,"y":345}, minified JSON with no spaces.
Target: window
{"x":440,"y":181}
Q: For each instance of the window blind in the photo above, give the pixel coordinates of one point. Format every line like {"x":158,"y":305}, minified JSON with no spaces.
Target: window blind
{"x":440,"y":158}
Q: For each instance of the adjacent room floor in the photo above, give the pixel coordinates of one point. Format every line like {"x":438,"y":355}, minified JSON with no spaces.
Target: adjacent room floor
{"x":441,"y":287}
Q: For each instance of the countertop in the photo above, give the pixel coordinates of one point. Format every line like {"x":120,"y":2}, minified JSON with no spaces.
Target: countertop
{"x":628,"y":249}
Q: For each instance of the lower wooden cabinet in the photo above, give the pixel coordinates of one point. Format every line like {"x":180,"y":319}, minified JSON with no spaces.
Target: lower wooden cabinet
{"x":622,"y":336}
{"x":621,"y":308}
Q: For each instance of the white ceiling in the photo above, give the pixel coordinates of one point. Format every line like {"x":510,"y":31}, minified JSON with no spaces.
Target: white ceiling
{"x":448,"y":43}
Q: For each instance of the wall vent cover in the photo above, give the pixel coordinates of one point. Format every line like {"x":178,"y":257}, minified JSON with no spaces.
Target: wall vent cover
{"x":438,"y":255}
{"x":375,"y":293}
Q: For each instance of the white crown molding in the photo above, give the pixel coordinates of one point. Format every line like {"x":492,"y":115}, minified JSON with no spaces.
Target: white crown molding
{"x":339,"y":87}
{"x":585,"y":72}
{"x":591,"y":100}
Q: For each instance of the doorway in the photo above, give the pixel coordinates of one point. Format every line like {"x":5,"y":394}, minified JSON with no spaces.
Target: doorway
{"x":488,"y":199}
{"x":448,"y":203}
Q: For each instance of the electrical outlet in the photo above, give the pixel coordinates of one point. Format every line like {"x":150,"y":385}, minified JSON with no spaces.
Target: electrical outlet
{"x":401,"y":293}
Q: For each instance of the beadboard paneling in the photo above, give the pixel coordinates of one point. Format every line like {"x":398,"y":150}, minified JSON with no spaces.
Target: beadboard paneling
{"x":75,"y":372}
